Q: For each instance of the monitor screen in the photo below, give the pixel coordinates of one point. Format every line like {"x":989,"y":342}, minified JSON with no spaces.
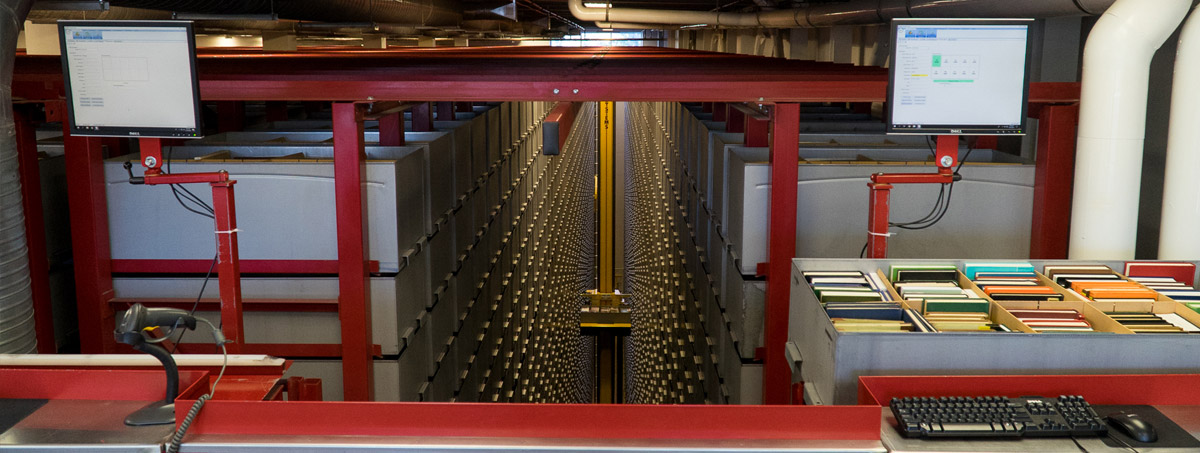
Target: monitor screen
{"x":135,"y":78}
{"x":959,"y":76}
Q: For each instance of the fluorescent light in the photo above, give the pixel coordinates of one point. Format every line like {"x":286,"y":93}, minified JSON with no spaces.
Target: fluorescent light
{"x":597,"y":5}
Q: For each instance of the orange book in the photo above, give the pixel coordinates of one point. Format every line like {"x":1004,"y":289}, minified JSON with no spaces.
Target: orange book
{"x":1019,"y":290}
{"x":1087,"y":285}
{"x":1120,"y":293}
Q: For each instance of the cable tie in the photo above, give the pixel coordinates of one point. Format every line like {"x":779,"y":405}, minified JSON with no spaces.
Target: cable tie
{"x":235,"y":230}
{"x":888,"y":234}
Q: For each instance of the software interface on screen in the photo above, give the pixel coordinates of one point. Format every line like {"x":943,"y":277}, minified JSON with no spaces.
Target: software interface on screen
{"x":959,"y":76}
{"x":133,"y":78}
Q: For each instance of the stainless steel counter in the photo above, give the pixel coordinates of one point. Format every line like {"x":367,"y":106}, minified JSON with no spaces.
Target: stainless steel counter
{"x":81,"y":425}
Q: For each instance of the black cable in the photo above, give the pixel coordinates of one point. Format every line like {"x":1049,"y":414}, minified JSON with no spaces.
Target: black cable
{"x":937,"y":206}
{"x":927,"y":222}
{"x":862,"y":253}
{"x":196,"y":304}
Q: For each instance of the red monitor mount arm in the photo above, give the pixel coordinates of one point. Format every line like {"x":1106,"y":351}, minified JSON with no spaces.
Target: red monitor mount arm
{"x":881,"y":185}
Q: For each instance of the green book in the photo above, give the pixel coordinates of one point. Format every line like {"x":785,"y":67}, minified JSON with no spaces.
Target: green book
{"x":923,"y":272}
{"x":958,"y":306}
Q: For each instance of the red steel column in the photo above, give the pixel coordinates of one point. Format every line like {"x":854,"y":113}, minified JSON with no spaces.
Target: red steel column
{"x":422,"y":118}
{"x":445,"y":111}
{"x":90,"y":241}
{"x":229,"y":274}
{"x":735,"y":122}
{"x":354,"y":305}
{"x":35,"y":230}
{"x":756,"y":131}
{"x":877,"y":219}
{"x":781,"y":247}
{"x":231,"y":116}
{"x":391,"y":129}
{"x":1053,"y":181}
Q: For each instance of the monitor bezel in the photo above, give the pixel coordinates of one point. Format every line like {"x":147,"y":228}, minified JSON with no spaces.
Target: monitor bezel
{"x":958,"y":129}
{"x":131,"y":131}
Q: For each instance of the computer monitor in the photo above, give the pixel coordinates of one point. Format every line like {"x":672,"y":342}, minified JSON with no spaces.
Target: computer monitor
{"x":959,"y":76}
{"x":131,"y":78}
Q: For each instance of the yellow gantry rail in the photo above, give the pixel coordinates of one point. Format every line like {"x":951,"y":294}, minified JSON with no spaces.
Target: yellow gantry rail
{"x":605,"y":186}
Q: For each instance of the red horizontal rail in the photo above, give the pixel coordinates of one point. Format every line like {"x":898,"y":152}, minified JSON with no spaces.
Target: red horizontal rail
{"x":555,"y":421}
{"x":289,"y":350}
{"x":210,"y":304}
{"x":247,"y":266}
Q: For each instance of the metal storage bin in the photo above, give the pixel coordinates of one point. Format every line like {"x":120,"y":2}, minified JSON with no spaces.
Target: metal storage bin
{"x":830,"y":362}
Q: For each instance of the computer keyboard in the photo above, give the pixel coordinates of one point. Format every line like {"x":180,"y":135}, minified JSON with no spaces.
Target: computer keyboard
{"x":996,"y":416}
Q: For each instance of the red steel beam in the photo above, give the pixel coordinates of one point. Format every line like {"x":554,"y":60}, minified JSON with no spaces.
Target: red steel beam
{"x":90,"y":241}
{"x":1053,"y":181}
{"x":208,"y":304}
{"x":35,"y":229}
{"x":735,"y":119}
{"x":354,"y":307}
{"x":538,"y":421}
{"x":785,"y":158}
{"x":247,"y":266}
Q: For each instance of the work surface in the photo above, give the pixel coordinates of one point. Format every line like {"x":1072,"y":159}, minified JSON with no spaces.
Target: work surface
{"x":76,"y":425}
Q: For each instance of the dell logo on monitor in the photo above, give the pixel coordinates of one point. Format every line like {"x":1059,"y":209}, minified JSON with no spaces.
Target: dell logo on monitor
{"x":955,"y":131}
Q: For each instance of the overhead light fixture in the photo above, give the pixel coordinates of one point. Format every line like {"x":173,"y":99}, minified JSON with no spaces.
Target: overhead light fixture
{"x":693,"y":26}
{"x":597,"y":5}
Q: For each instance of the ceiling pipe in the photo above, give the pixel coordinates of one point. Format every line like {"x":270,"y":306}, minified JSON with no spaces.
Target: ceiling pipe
{"x":1181,"y":207}
{"x":852,"y":12}
{"x":1112,"y":125}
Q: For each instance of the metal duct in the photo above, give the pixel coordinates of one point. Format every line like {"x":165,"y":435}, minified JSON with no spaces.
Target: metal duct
{"x":405,"y":12}
{"x":17,"y":334}
{"x":1112,"y":125}
{"x":1180,"y":205}
{"x":852,"y":12}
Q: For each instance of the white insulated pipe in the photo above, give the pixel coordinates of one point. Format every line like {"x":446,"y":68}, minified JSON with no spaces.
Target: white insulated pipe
{"x":1178,"y":238}
{"x":1112,"y":125}
{"x":850,"y":12}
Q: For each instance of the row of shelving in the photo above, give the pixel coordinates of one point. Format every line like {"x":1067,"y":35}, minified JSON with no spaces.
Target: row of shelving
{"x":673,"y":358}
{"x":727,"y":326}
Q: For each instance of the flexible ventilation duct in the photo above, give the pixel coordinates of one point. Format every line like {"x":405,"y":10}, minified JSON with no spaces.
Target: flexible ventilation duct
{"x":1112,"y":125}
{"x":1181,"y":207}
{"x":16,"y":296}
{"x":852,"y":12}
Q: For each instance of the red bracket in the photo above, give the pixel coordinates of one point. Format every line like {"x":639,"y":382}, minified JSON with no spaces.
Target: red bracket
{"x":881,"y":185}
{"x":228,"y":272}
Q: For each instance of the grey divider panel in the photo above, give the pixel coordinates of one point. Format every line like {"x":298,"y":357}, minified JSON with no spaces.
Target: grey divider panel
{"x":839,"y":192}
{"x":286,"y":210}
{"x":330,"y":373}
{"x":282,"y":327}
{"x":833,"y":361}
{"x":439,"y":176}
{"x":414,"y":359}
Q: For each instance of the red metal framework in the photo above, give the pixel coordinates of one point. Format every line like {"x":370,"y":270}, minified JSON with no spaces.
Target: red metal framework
{"x":500,"y":74}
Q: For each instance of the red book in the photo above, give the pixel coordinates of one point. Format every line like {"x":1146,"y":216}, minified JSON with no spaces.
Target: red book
{"x":1180,"y":271}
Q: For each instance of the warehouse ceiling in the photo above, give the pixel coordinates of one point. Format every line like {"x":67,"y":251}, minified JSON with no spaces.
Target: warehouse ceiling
{"x":332,"y":19}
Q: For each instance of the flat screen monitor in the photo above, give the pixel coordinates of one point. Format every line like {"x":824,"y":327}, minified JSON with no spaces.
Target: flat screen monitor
{"x":959,"y":76}
{"x":131,"y":78}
